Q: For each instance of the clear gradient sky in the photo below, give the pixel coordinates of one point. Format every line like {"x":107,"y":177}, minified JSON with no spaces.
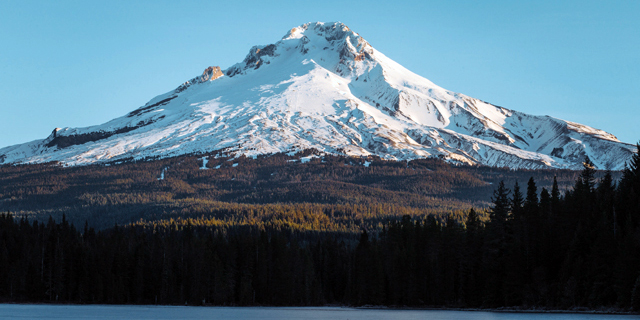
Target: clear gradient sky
{"x":81,"y":63}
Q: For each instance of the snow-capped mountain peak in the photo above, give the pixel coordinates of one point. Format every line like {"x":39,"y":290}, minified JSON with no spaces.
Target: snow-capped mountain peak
{"x":313,"y":40}
{"x":323,"y":86}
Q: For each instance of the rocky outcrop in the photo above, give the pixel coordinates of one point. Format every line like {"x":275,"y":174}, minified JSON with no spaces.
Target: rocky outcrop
{"x":62,"y":141}
{"x":209,"y":74}
{"x":255,"y":59}
{"x":150,"y":107}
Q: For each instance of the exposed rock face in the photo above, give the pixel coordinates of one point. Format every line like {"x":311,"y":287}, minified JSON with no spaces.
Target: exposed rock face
{"x":54,"y":133}
{"x":150,"y":106}
{"x":324,"y":87}
{"x":258,"y":56}
{"x":211,"y":73}
{"x":64,"y":141}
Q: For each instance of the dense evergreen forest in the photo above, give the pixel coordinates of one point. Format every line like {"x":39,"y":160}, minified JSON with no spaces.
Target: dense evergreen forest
{"x":538,"y":247}
{"x":342,"y":193}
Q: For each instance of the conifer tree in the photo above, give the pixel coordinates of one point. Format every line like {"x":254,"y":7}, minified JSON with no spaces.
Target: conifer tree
{"x":472,"y":223}
{"x":531,"y":201}
{"x":499,"y":212}
{"x":517,"y":202}
{"x":555,"y":197}
{"x":627,"y":213}
{"x":629,"y":193}
{"x":545,"y":204}
{"x":495,"y":250}
{"x":587,"y":176}
{"x":606,"y":197}
{"x":472,"y":293}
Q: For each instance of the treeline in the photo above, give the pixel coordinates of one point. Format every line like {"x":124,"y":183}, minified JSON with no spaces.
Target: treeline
{"x":580,"y":249}
{"x":537,"y":249}
{"x":122,"y":193}
{"x":187,"y":261}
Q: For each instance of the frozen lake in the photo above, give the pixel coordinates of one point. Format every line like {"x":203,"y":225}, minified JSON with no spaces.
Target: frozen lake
{"x":106,"y":312}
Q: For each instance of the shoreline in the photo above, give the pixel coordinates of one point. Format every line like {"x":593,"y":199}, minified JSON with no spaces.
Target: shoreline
{"x":611,"y":311}
{"x":579,"y":310}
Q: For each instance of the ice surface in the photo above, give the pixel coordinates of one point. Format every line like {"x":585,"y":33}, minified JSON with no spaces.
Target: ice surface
{"x":104,"y":312}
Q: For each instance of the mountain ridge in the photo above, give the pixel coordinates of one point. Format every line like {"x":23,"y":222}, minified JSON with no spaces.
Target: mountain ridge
{"x":324,"y":87}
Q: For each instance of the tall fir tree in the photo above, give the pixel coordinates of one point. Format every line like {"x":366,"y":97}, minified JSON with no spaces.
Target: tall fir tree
{"x":495,"y":249}
{"x":587,"y":176}
{"x":531,"y":201}
{"x":555,"y":197}
{"x":517,"y":202}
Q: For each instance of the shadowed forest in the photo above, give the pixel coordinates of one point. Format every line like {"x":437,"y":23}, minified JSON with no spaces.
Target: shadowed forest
{"x":533,"y":247}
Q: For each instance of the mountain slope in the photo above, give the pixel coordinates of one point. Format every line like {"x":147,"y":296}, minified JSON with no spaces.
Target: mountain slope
{"x":324,"y":87}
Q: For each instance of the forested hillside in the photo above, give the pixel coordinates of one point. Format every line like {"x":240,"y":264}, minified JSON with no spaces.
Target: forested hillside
{"x":334,"y":193}
{"x":539,"y":248}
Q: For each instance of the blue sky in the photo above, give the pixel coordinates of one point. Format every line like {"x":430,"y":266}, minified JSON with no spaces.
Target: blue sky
{"x":81,"y":63}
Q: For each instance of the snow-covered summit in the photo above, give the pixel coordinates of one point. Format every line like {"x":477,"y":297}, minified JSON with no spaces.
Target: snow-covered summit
{"x":310,"y":39}
{"x":323,"y":86}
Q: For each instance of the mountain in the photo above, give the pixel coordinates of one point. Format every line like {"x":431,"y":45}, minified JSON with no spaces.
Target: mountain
{"x":325,"y":87}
